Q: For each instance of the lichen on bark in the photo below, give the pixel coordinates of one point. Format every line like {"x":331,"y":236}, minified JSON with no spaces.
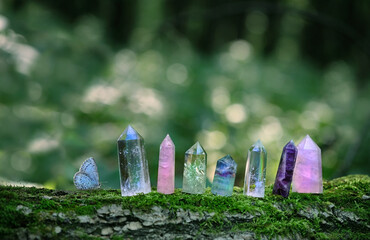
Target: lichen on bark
{"x":341,"y":212}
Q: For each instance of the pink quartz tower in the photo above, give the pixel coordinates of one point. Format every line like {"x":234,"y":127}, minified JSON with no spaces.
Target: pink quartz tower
{"x":307,"y":177}
{"x":166,"y":166}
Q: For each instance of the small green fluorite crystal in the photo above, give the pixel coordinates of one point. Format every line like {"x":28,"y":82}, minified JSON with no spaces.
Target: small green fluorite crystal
{"x":194,"y":180}
{"x":224,"y":178}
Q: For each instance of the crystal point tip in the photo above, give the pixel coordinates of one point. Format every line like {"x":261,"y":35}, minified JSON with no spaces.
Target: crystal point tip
{"x":290,"y":144}
{"x":196,"y":149}
{"x":258,"y":143}
{"x":308,"y":143}
{"x":129,"y":134}
{"x":229,"y":160}
{"x":258,"y":146}
{"x":227,"y":157}
{"x":167,"y":140}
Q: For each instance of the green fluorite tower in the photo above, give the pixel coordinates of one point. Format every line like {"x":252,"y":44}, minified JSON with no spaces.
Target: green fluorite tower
{"x":133,"y":165}
{"x":224,"y":178}
{"x":194,"y":179}
{"x":255,"y":171}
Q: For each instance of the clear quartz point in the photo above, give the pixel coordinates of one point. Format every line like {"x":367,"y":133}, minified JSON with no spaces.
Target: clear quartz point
{"x":132,"y":163}
{"x":194,"y":179}
{"x":255,"y":171}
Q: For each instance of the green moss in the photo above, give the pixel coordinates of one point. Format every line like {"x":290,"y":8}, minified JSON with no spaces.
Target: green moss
{"x":12,"y":218}
{"x":274,"y":215}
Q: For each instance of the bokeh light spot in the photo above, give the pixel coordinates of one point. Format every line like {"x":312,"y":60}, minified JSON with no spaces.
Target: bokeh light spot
{"x":177,"y":73}
{"x":124,"y":61}
{"x":220,"y":98}
{"x":236,"y":113}
{"x":3,"y":22}
{"x":146,"y":101}
{"x":43,"y":144}
{"x":308,"y":120}
{"x":21,"y":161}
{"x":240,"y":50}
{"x":214,"y":139}
{"x":270,"y":130}
{"x":102,"y":94}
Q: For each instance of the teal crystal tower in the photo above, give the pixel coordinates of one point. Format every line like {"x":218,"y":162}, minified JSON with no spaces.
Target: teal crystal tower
{"x":194,"y":179}
{"x":132,"y":163}
{"x":223,"y":181}
{"x":255,"y":171}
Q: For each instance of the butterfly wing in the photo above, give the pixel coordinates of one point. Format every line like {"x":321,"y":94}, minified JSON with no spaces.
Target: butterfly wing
{"x":89,"y":167}
{"x":83,"y":182}
{"x":87,"y":177}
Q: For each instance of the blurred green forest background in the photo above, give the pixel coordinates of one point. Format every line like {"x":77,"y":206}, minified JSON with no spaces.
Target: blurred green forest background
{"x":74,"y":74}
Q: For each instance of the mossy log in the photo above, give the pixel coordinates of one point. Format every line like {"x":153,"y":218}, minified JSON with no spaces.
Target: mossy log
{"x":341,"y":212}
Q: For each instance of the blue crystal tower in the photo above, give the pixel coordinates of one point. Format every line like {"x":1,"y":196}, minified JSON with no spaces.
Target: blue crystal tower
{"x":255,"y":171}
{"x":223,"y":181}
{"x":194,"y":179}
{"x":133,"y":165}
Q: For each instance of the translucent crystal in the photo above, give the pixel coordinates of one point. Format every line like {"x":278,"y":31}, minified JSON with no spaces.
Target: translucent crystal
{"x":166,"y":166}
{"x":133,"y":165}
{"x":223,"y":181}
{"x":255,"y":171}
{"x":307,"y":177}
{"x":285,"y":171}
{"x":194,"y":179}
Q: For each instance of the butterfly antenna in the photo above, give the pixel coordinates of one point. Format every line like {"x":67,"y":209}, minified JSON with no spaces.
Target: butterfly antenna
{"x":103,"y":185}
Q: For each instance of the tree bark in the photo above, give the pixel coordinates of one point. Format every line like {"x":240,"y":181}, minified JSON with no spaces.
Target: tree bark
{"x":341,"y":212}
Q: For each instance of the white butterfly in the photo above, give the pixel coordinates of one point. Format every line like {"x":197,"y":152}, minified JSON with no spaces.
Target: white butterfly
{"x":87,"y":177}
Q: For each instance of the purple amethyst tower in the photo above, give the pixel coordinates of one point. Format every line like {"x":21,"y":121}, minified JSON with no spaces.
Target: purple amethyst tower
{"x":285,"y":171}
